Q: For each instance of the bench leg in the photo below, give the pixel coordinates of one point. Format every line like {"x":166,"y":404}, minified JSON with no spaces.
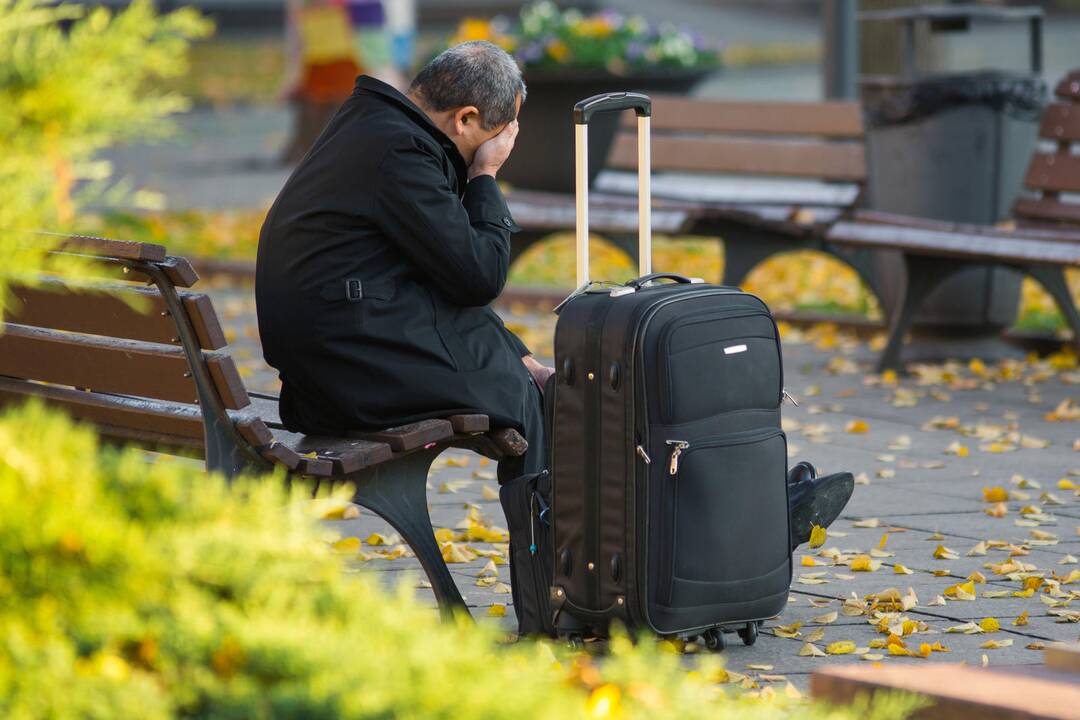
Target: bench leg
{"x":745,"y":248}
{"x":397,"y":492}
{"x":1052,"y":278}
{"x":922,"y":275}
{"x":862,"y":261}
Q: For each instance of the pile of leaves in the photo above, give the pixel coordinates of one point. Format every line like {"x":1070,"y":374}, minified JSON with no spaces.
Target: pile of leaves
{"x":139,"y":588}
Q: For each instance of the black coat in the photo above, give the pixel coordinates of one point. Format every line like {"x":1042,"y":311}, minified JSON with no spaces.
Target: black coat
{"x":383,"y":198}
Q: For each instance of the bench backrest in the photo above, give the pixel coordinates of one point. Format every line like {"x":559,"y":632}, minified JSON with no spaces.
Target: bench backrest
{"x":808,"y":140}
{"x":1054,"y":175}
{"x":125,"y":349}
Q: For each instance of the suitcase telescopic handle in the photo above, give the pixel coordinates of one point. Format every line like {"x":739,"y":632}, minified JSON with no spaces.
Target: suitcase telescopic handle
{"x":612,"y":102}
{"x":583,"y":112}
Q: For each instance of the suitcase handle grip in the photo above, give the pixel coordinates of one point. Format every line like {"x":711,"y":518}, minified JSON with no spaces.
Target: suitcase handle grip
{"x":645,"y":279}
{"x":612,"y":102}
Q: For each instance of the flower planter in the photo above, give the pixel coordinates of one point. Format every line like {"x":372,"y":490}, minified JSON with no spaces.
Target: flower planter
{"x":543,"y":157}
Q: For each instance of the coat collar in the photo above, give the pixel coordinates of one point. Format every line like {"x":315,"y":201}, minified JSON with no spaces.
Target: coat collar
{"x":366,"y":83}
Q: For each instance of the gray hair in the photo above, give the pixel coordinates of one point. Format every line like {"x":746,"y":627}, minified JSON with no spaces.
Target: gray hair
{"x":473,"y":73}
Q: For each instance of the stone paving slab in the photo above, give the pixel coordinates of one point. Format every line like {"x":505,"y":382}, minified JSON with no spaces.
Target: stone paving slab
{"x":927,"y":491}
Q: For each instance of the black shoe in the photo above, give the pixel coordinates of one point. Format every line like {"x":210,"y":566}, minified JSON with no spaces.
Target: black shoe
{"x":800,"y":471}
{"x":817,"y":501}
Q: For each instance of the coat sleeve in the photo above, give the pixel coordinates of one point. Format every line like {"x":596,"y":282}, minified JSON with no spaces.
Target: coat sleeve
{"x":461,"y":244}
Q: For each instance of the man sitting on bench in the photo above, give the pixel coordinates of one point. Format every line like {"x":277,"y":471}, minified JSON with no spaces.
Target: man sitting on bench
{"x":380,"y":256}
{"x":379,"y":259}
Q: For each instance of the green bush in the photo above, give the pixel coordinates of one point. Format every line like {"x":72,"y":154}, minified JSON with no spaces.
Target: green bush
{"x":73,"y":81}
{"x":143,"y":589}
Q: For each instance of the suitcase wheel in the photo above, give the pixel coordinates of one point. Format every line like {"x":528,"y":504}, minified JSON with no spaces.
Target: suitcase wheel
{"x":749,"y":633}
{"x":575,"y":641}
{"x":713,"y":639}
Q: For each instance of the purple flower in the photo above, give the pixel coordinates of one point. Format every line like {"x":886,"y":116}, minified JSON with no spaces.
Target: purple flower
{"x":635,"y":50}
{"x":530,"y":53}
{"x":613,"y":18}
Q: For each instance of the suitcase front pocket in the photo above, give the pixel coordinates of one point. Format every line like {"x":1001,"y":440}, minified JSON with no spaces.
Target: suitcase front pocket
{"x":717,"y":364}
{"x":727,"y":520}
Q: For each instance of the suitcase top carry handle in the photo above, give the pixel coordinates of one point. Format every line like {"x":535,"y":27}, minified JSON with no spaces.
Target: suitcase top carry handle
{"x":646,"y":279}
{"x":612,"y":102}
{"x":583,"y":111}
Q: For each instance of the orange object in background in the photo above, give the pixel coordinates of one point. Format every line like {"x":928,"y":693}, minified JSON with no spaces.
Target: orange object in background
{"x":329,"y":82}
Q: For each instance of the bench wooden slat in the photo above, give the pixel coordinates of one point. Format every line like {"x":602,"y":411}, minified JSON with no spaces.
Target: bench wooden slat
{"x":702,"y":193}
{"x":1055,"y":234}
{"x":167,"y":418}
{"x":111,"y":309}
{"x":89,"y":245}
{"x":343,"y":455}
{"x":1058,"y":172}
{"x":179,"y":271}
{"x":829,"y":161}
{"x":410,"y":437}
{"x":1016,"y":248}
{"x":204,"y":320}
{"x":128,"y":367}
{"x":227,"y":380}
{"x":831,"y":119}
{"x":549,"y":214}
{"x":469,"y":424}
{"x":1061,"y":122}
{"x":1047,"y":210}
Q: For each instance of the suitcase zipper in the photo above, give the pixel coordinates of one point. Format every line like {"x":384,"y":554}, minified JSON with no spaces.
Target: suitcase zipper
{"x":677,"y":447}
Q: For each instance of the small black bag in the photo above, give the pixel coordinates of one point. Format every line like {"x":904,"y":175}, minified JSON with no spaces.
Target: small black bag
{"x":525,"y":501}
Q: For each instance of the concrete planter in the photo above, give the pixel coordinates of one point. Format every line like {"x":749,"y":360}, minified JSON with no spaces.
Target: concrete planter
{"x":543,"y":157}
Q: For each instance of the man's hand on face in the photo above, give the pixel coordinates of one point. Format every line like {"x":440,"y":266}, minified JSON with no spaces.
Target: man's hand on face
{"x":493,"y":153}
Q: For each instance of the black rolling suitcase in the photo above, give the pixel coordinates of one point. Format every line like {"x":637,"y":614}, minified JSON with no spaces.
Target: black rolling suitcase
{"x":668,"y":464}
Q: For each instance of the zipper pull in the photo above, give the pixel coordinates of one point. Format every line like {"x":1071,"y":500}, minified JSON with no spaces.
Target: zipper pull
{"x":789,"y":396}
{"x":644,"y":455}
{"x":677,"y":447}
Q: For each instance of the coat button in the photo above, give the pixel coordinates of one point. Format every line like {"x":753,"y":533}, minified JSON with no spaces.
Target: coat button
{"x":507,"y":222}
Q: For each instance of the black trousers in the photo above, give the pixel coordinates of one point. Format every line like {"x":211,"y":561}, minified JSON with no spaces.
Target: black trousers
{"x":535,"y":458}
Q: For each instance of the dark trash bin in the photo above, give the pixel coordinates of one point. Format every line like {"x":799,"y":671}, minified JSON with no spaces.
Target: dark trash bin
{"x":952,"y":146}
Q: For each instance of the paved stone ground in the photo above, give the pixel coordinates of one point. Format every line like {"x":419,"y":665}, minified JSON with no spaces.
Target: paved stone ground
{"x":914,"y":491}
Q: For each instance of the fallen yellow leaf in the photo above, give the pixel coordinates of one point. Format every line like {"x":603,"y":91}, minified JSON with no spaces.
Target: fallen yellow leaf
{"x":995,"y":494}
{"x":840,"y":647}
{"x":996,"y":644}
{"x":818,"y":536}
{"x":857,"y":427}
{"x":497,"y":610}
{"x":989,"y":624}
{"x":348,"y":544}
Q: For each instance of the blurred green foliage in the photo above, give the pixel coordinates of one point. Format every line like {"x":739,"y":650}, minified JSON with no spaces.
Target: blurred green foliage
{"x":72,"y":81}
{"x":131,"y":589}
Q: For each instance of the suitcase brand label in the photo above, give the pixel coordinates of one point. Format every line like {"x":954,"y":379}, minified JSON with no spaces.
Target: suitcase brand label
{"x":732,"y":349}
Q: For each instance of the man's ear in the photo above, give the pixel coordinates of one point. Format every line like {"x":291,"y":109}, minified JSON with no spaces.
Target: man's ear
{"x":466,"y":117}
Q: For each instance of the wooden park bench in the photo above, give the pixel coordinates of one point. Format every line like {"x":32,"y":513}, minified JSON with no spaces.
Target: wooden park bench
{"x":1042,"y":240}
{"x":148,"y":363}
{"x":764,"y":177}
